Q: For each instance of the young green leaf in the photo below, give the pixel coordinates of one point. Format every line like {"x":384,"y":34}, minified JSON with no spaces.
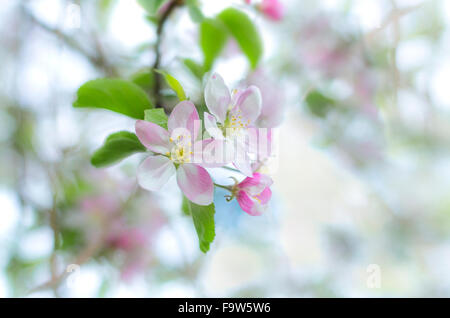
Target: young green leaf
{"x":118,"y":95}
{"x":174,"y":84}
{"x":156,"y":116}
{"x":203,"y":217}
{"x":117,"y":147}
{"x":195,"y":68}
{"x":194,"y":11}
{"x":213,"y":37}
{"x":151,"y":6}
{"x":245,"y":33}
{"x":185,"y":206}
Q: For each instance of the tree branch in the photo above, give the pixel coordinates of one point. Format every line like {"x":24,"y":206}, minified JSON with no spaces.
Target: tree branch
{"x":97,"y":60}
{"x":159,"y":31}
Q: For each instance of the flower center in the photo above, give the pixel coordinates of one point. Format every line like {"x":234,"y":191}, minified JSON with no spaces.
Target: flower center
{"x":255,"y":197}
{"x":235,"y":125}
{"x":180,"y":151}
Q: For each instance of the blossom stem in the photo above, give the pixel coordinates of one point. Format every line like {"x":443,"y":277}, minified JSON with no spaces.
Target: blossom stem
{"x":231,"y":169}
{"x":223,"y":187}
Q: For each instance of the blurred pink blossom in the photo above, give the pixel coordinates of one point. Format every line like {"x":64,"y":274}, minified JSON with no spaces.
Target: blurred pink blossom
{"x":103,"y":218}
{"x":273,"y":9}
{"x":127,"y":238}
{"x":273,"y":99}
{"x":104,"y":205}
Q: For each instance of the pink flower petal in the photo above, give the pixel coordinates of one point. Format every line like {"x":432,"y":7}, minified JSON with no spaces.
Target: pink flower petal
{"x":184,"y":116}
{"x":259,"y":142}
{"x":248,"y":104}
{"x":252,"y":181}
{"x":211,"y":126}
{"x":265,"y":143}
{"x":243,"y":166}
{"x":265,"y":196}
{"x":196,"y":183}
{"x":256,"y":184}
{"x":249,"y":204}
{"x":152,"y":136}
{"x":154,"y":172}
{"x":217,"y":97}
{"x":241,"y":160}
{"x":211,"y":153}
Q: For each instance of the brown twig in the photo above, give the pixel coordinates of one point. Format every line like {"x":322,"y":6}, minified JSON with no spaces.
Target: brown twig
{"x":393,"y":16}
{"x":88,"y":252}
{"x":97,"y":59}
{"x":55,"y":228}
{"x":82,"y":258}
{"x":159,"y":31}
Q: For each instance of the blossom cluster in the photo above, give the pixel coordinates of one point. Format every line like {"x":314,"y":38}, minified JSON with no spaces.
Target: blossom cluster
{"x":231,"y":136}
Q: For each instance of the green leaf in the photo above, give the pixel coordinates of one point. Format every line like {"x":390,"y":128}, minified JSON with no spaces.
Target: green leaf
{"x":195,"y":68}
{"x":174,"y":84}
{"x":245,"y":33}
{"x":201,"y":109}
{"x":153,"y":19}
{"x":203,"y":217}
{"x":151,"y":6}
{"x":117,"y":147}
{"x":213,"y":37}
{"x":144,"y":78}
{"x":194,"y":11}
{"x":185,"y":207}
{"x":319,"y":104}
{"x":118,"y":95}
{"x":156,"y":116}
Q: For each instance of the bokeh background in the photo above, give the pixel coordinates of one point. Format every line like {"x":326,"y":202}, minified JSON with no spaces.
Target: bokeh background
{"x":361,"y":204}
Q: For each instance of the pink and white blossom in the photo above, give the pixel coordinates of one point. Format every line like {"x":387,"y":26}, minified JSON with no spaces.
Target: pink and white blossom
{"x":232,"y":115}
{"x":253,"y":193}
{"x":173,"y":154}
